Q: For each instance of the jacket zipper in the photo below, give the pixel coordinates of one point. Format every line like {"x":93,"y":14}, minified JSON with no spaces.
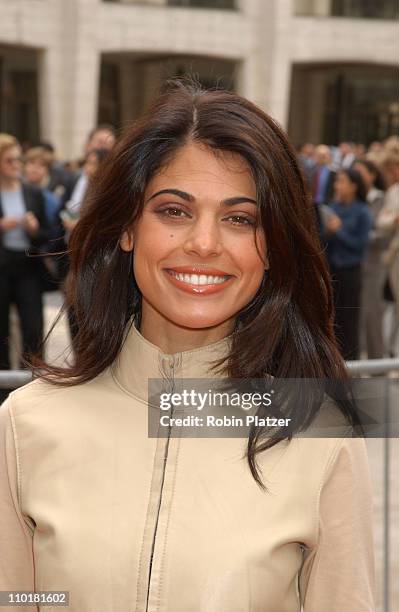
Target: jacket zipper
{"x":170,"y":375}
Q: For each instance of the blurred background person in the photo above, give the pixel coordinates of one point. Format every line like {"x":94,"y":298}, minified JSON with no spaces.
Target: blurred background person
{"x":373,"y":269}
{"x":374,"y":148}
{"x":307,"y":160}
{"x":101,"y":137}
{"x":23,"y":227}
{"x":347,"y":234}
{"x":59,"y":178}
{"x":323,"y":176}
{"x":71,"y":212}
{"x":346,"y":154}
{"x":37,"y":173}
{"x":388,"y":222}
{"x":359,"y":151}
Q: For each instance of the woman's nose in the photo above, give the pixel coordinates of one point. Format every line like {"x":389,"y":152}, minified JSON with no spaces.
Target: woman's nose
{"x":203,"y":238}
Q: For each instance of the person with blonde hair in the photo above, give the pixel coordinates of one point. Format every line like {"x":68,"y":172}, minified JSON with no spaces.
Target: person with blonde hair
{"x":23,"y":229}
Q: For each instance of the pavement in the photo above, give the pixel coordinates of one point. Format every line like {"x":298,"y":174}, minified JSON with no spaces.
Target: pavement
{"x":378,"y":450}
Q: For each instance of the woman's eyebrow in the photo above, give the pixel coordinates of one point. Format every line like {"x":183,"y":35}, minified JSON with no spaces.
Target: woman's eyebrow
{"x":181,"y":194}
{"x":238,"y":200}
{"x":190,"y":198}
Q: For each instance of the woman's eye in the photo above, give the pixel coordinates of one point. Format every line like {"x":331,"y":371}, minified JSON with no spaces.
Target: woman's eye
{"x":171,"y":211}
{"x":241,"y":220}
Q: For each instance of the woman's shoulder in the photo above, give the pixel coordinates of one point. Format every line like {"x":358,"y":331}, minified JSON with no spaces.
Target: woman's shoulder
{"x":40,"y":395}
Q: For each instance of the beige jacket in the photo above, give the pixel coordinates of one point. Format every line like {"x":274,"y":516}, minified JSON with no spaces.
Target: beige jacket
{"x":126,"y":523}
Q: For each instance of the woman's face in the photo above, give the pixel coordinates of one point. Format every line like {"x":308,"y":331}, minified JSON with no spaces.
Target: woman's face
{"x":91,"y":165}
{"x":195,"y":259}
{"x":345,"y":190}
{"x":35,"y":171}
{"x":10,"y":163}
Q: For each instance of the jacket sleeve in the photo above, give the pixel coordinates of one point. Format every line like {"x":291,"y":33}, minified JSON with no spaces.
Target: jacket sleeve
{"x":43,"y":232}
{"x":356,"y":240}
{"x":338,"y":575}
{"x":35,"y":203}
{"x":16,"y":538}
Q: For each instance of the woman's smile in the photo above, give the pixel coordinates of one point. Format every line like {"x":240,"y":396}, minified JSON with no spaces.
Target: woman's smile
{"x":199,"y":282}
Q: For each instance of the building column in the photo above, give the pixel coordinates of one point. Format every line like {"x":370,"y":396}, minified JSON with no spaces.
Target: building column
{"x":322,"y":8}
{"x":69,"y":79}
{"x":280,"y":72}
{"x":84,"y":98}
{"x":254,"y":73}
{"x":51,"y":98}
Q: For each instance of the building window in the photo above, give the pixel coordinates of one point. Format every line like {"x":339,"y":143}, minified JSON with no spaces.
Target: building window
{"x":209,"y":4}
{"x":109,"y":96}
{"x":19,"y":112}
{"x":332,"y":104}
{"x":372,"y":9}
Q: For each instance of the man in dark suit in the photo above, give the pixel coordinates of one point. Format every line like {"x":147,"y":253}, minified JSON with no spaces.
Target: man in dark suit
{"x":322,"y":177}
{"x":23,"y":229}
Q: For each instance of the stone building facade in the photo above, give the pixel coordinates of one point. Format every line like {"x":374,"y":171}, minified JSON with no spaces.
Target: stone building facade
{"x":327,"y":70}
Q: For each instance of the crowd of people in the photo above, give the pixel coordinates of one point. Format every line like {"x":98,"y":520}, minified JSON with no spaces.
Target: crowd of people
{"x":40,"y":200}
{"x":354,"y":191}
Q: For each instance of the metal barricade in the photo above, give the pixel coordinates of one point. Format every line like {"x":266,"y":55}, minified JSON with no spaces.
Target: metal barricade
{"x":370,"y":367}
{"x":11,"y":379}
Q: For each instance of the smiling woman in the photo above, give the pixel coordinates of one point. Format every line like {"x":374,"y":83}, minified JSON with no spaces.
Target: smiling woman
{"x":196,"y":257}
{"x":209,"y":202}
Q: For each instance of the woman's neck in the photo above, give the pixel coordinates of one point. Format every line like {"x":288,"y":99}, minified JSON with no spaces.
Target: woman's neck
{"x":7,"y":184}
{"x":172,"y":338}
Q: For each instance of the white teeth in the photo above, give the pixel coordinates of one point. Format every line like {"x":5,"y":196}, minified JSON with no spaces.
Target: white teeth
{"x":199,"y":279}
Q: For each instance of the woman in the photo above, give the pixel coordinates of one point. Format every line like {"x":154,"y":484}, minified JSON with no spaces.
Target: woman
{"x":184,"y":265}
{"x":373,"y":269}
{"x":347,"y":236}
{"x":23,"y":229}
{"x":70,"y":214}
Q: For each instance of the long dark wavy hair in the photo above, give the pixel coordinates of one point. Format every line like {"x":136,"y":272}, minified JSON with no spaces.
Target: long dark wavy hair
{"x":287,"y":329}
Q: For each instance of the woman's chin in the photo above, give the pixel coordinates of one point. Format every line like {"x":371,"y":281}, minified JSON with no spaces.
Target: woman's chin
{"x":199,"y":322}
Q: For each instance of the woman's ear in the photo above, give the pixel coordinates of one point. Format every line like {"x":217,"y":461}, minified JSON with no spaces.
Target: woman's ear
{"x":126,"y":241}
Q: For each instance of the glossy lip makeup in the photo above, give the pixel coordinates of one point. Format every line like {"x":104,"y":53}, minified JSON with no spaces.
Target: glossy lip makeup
{"x":198,"y":280}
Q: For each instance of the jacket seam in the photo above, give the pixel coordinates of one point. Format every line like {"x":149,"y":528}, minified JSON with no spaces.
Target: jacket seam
{"x":141,"y":563}
{"x":326,"y":472}
{"x":166,"y":540}
{"x":122,"y":388}
{"x":17,"y":455}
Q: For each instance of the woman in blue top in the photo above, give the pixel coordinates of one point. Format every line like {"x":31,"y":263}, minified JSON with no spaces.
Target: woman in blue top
{"x":347,"y":234}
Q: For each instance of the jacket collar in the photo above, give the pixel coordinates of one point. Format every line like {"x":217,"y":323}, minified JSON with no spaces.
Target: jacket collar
{"x":140,"y":360}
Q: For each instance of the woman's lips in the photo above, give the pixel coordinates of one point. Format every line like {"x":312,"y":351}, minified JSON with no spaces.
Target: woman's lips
{"x":199,"y":284}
